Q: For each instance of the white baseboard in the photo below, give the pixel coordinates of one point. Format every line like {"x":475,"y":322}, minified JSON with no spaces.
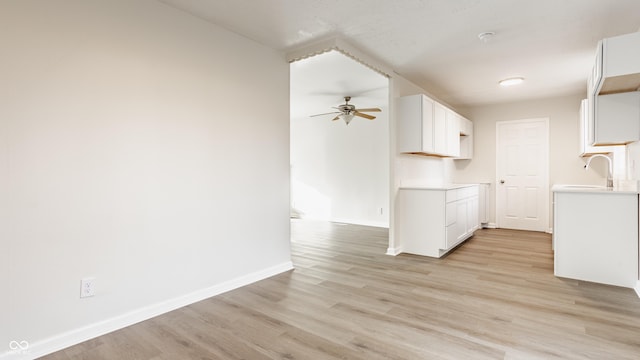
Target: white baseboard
{"x":77,"y":336}
{"x":489,"y":226}
{"x":379,"y":224}
{"x":394,"y":251}
{"x":637,"y":288}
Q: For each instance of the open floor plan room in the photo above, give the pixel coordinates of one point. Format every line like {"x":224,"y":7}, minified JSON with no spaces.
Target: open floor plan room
{"x":495,"y":297}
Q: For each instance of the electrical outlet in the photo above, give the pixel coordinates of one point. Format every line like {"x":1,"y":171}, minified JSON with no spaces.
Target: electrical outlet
{"x":87,"y":287}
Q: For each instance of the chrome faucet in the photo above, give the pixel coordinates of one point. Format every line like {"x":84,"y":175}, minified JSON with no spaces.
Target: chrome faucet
{"x":610,"y":168}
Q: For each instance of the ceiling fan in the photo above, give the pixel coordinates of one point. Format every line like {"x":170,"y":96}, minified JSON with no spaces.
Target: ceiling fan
{"x":347,"y":112}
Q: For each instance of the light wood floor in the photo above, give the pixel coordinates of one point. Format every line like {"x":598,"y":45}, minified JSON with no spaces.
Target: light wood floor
{"x":495,"y":297}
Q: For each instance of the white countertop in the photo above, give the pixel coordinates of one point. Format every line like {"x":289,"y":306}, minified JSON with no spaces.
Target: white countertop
{"x":435,"y":187}
{"x":626,"y":189}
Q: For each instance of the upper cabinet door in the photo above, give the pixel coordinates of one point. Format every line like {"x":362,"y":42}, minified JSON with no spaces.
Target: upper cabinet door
{"x":452,"y":133}
{"x":617,"y":118}
{"x":440,"y":129}
{"x":427,"y":125}
{"x":585,"y":128}
{"x":413,"y":134}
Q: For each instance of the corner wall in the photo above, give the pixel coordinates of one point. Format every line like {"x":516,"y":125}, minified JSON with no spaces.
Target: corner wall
{"x":136,"y":145}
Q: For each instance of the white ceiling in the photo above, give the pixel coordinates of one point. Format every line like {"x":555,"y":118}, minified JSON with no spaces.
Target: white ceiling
{"x":434,"y":43}
{"x":321,"y":82}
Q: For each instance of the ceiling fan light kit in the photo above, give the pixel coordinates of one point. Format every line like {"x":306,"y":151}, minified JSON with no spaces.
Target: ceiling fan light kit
{"x":346,"y":117}
{"x":347,"y":112}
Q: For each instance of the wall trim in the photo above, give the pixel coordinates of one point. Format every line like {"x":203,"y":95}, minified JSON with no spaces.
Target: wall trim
{"x":379,"y":224}
{"x":394,"y":251}
{"x":490,"y":226}
{"x":73,"y":337}
{"x":343,"y":47}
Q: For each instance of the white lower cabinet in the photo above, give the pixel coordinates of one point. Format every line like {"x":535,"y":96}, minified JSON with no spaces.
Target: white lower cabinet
{"x":595,"y":236}
{"x":432,"y":221}
{"x":483,"y":204}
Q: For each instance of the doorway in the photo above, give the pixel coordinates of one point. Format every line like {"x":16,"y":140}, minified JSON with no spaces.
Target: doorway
{"x":339,"y":171}
{"x":522,"y":174}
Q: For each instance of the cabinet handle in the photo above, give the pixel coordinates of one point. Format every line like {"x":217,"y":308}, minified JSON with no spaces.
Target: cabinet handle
{"x":501,"y":181}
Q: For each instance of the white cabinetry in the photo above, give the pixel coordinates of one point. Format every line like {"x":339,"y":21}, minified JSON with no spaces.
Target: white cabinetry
{"x":614,"y":103}
{"x":483,"y":203}
{"x":617,"y":118}
{"x":427,"y":127}
{"x":584,"y":147}
{"x":416,"y":123}
{"x":466,"y":139}
{"x":452,"y":132}
{"x":595,"y":236}
{"x":431,"y":222}
{"x":617,"y":66}
{"x":439,"y":129}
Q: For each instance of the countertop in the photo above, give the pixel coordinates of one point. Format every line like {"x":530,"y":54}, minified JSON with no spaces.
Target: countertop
{"x":435,"y":187}
{"x":626,"y":189}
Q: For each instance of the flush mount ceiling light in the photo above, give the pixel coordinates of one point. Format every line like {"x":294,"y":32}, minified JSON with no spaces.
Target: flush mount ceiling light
{"x":511,"y":81}
{"x":486,"y":36}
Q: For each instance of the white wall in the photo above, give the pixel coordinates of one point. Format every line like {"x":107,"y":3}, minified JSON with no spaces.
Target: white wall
{"x":633,"y":157}
{"x":565,"y":166}
{"x":136,"y":144}
{"x":341,"y":172}
{"x":410,"y":169}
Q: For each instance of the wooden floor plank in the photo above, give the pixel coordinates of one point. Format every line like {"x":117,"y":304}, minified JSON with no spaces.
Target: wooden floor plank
{"x":494,"y":297}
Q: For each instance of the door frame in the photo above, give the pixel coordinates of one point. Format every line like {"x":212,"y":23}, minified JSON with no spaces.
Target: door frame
{"x":499,"y":193}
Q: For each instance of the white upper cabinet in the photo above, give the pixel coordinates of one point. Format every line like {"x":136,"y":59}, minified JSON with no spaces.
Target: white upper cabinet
{"x":584,"y":149}
{"x":613,"y":99}
{"x":427,"y":127}
{"x":452,"y":131}
{"x":466,"y":139}
{"x":617,"y":67}
{"x":416,"y":124}
{"x":616,"y":120}
{"x":440,"y":129}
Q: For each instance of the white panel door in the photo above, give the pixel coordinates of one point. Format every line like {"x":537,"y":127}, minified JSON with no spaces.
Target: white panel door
{"x":522,"y":186}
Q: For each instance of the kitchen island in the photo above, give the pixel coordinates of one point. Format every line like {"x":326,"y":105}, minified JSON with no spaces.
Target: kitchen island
{"x":595,"y":235}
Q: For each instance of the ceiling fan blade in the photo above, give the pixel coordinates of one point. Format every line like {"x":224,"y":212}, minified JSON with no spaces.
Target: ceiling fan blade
{"x":369,"y":110}
{"x":335,"y":112}
{"x":366,"y":116}
{"x":336,"y":118}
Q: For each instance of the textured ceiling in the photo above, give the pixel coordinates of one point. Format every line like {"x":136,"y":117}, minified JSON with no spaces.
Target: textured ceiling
{"x":434,"y":43}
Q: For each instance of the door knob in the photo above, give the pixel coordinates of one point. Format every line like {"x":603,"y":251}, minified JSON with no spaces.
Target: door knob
{"x":501,"y":181}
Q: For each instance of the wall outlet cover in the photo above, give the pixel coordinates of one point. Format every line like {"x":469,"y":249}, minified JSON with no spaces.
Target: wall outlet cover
{"x":87,"y":287}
